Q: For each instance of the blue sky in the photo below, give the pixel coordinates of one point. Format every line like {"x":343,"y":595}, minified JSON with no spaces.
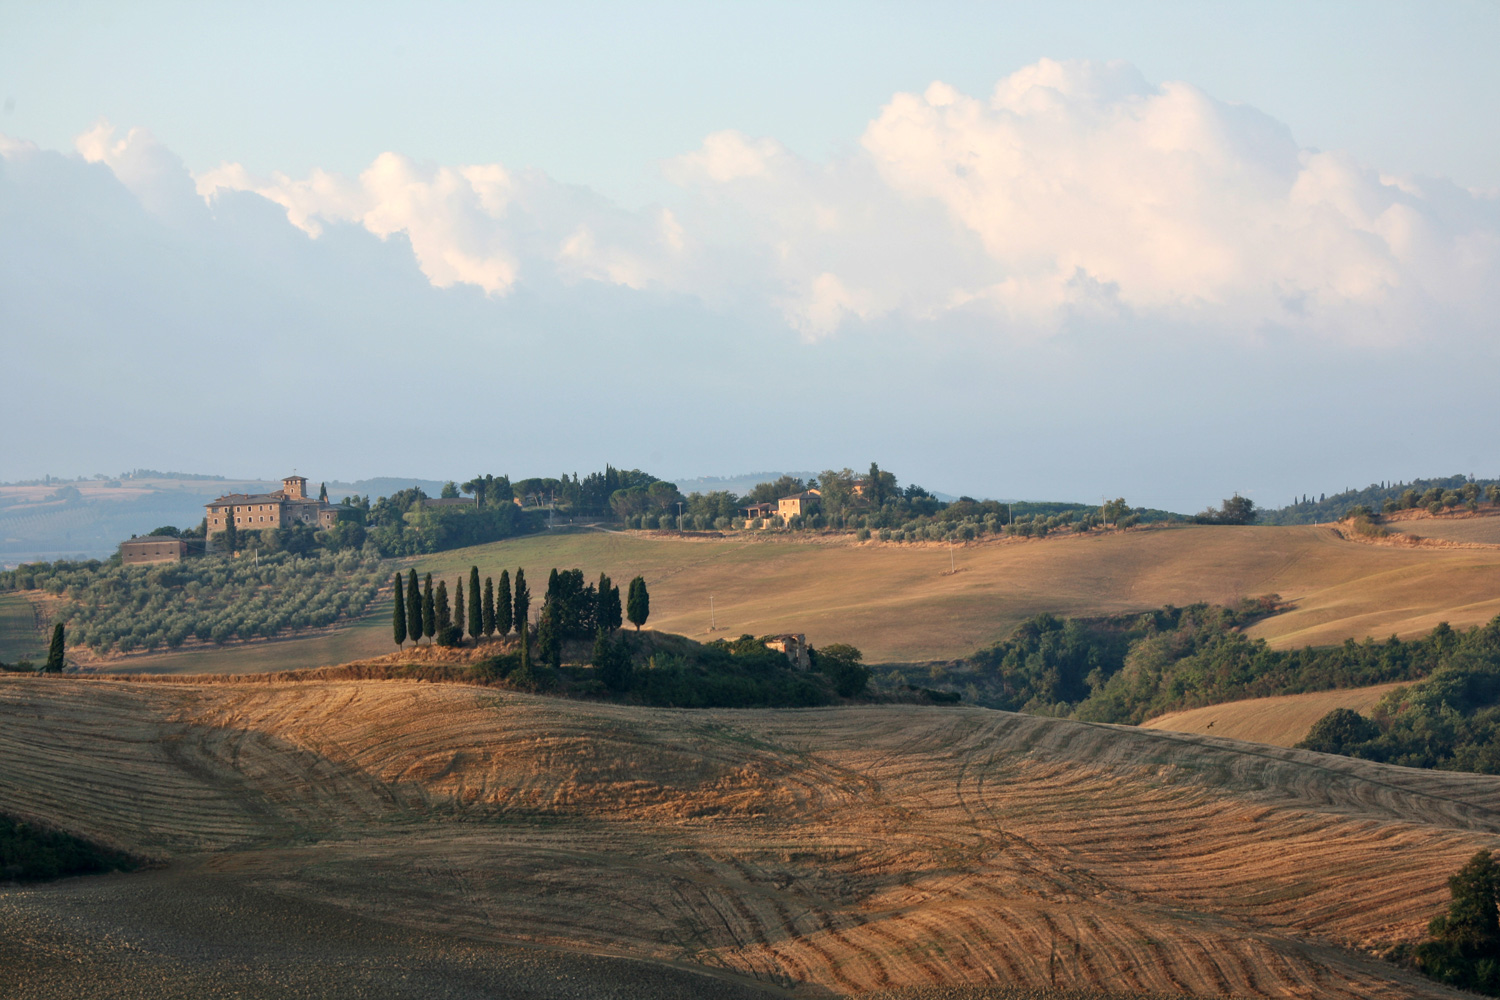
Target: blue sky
{"x":1164,"y":250}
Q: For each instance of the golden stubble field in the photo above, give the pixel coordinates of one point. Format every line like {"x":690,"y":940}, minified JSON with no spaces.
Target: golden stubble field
{"x":815,"y":852}
{"x":902,"y":602}
{"x":1281,"y":720}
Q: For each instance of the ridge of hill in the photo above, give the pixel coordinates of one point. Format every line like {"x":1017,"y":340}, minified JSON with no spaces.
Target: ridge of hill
{"x":836,"y":851}
{"x":1334,"y":507}
{"x":902,"y":603}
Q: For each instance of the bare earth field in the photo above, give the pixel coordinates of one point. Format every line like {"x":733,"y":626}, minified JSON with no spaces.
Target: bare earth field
{"x":1282,"y":720}
{"x":419,"y":840}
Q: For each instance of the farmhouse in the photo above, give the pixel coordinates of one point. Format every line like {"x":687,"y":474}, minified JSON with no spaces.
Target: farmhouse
{"x":254,"y":511}
{"x":794,"y":645}
{"x":798,"y":504}
{"x":152,"y":549}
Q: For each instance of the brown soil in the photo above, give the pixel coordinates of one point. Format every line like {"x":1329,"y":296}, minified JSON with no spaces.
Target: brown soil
{"x":845,"y":850}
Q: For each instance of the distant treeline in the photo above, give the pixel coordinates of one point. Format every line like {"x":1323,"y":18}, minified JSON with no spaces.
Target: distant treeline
{"x":1128,"y":668}
{"x":1446,"y":493}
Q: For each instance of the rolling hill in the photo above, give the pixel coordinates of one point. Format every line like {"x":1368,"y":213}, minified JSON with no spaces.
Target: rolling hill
{"x":901,"y":603}
{"x":869,"y":850}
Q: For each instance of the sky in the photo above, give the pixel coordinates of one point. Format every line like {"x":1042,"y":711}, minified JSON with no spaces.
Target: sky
{"x":1161,"y":251}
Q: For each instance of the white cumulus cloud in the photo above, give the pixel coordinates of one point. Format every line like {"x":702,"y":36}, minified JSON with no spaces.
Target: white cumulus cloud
{"x":1075,"y":191}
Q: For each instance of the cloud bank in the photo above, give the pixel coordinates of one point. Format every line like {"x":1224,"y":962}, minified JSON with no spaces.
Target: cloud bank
{"x":1079,"y":284}
{"x":1075,"y":192}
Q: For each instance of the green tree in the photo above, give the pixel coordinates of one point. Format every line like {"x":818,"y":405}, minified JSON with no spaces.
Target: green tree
{"x":1114,"y":510}
{"x":840,"y":663}
{"x":450,"y":490}
{"x":413,"y":608}
{"x":323,"y":493}
{"x":612,"y":661}
{"x":1465,"y":950}
{"x":601,"y":605}
{"x":523,"y":601}
{"x":429,"y":610}
{"x":638,"y":604}
{"x":548,"y":642}
{"x":440,"y":606}
{"x":523,"y":672}
{"x":458,"y":610}
{"x":504,"y":608}
{"x":231,"y":531}
{"x":1339,"y":732}
{"x":398,"y":615}
{"x":476,"y":608}
{"x":54,"y":663}
{"x":487,"y":608}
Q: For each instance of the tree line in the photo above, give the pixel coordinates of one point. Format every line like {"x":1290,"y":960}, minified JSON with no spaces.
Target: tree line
{"x":1435,"y":495}
{"x":570,"y":609}
{"x":1449,"y":719}
{"x":1128,"y":668}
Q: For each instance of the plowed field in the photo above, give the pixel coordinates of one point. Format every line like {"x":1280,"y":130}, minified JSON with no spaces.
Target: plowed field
{"x":819,"y":852}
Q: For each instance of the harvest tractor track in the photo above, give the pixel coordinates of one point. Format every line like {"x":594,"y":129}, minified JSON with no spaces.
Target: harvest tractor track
{"x":816,"y":852}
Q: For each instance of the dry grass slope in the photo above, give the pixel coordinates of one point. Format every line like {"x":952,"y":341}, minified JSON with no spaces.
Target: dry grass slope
{"x":825,"y":851}
{"x":1281,"y":721}
{"x":900,"y":603}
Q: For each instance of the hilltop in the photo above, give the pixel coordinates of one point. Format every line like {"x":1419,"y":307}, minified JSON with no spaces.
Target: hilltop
{"x":834,"y":851}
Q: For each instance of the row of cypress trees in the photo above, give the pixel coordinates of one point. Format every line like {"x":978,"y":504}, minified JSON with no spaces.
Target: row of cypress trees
{"x":492,"y":611}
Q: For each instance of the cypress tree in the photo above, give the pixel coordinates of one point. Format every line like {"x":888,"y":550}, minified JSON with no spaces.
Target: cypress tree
{"x":413,"y":608}
{"x":552,"y":586}
{"x":440,"y":607}
{"x":429,"y":611}
{"x":458,"y":610}
{"x":398,"y":615}
{"x":55,"y":651}
{"x":523,"y":600}
{"x":476,"y":610}
{"x":601,"y":603}
{"x":487,"y":608}
{"x":504,"y":609}
{"x":323,"y":493}
{"x":548,"y":646}
{"x":231,"y":531}
{"x":616,"y":615}
{"x":525,"y":668}
{"x":638,"y":604}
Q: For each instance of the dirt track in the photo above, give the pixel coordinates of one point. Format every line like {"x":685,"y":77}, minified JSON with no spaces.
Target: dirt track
{"x":839,"y":850}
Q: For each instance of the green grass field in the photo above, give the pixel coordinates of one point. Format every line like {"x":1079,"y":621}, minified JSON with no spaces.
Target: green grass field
{"x":19,"y":639}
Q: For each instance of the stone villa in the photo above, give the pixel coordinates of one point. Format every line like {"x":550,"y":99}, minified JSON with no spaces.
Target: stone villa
{"x":287,"y":506}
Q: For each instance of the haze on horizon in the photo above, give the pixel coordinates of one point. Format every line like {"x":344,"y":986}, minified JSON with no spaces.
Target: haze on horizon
{"x":1165,"y":252}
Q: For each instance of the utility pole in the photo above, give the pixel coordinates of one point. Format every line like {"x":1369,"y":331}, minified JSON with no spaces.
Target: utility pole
{"x":713,"y":623}
{"x":952,"y":565}
{"x":679,"y":517}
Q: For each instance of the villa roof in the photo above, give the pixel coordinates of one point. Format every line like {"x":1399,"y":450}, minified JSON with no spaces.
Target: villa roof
{"x":242,"y":498}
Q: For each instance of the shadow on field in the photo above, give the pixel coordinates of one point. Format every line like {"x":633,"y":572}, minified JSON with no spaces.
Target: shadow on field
{"x":189,"y":932}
